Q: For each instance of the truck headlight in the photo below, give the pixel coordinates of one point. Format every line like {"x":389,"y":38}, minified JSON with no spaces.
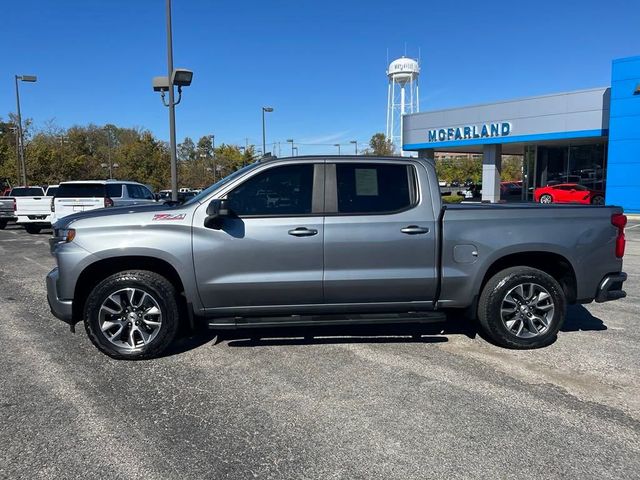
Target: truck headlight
{"x":65,"y":235}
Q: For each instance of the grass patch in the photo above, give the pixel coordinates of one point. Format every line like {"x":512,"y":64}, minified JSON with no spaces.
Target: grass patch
{"x":452,"y":198}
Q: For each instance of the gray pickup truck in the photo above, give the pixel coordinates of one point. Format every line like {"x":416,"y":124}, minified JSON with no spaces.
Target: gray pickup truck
{"x":7,"y":211}
{"x":329,"y":240}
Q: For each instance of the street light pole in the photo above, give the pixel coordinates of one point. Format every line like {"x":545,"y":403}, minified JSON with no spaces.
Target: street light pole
{"x":172,"y":108}
{"x":337,"y":145}
{"x":264,"y":130}
{"x":23,"y":78}
{"x":355,"y":144}
{"x":290,"y":140}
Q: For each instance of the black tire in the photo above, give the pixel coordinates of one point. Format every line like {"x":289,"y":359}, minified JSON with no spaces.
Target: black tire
{"x":32,"y":229}
{"x":3,"y":224}
{"x":491,"y":301}
{"x":155,"y":285}
{"x":547,"y":197}
{"x":597,"y":200}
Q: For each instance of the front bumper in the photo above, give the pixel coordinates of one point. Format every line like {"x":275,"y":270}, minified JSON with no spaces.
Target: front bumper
{"x":62,"y":309}
{"x":610,"y":287}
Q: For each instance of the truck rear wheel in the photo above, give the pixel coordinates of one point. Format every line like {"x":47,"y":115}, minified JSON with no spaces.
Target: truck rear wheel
{"x":32,"y":229}
{"x":3,"y":224}
{"x":132,"y":315}
{"x":522,"y":307}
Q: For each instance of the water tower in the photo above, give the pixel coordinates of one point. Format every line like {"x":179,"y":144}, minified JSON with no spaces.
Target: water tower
{"x":402,"y":97}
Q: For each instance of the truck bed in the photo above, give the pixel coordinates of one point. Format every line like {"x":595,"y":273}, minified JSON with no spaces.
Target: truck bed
{"x":473,"y":237}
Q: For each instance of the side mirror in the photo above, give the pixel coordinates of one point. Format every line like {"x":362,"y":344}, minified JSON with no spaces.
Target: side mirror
{"x":217,"y":211}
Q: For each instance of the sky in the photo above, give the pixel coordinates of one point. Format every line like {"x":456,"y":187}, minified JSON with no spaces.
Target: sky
{"x":320,"y":64}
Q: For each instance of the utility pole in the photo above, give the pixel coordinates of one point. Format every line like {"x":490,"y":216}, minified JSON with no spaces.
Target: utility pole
{"x":108,"y":130}
{"x":213,"y":156}
{"x":23,"y":78}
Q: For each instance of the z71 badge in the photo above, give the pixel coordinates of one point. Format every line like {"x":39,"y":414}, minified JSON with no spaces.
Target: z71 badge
{"x":168,"y":216}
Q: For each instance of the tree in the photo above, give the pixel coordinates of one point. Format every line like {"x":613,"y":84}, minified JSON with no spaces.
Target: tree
{"x":8,"y":152}
{"x":380,"y":145}
{"x":205,"y":147}
{"x":186,"y":150}
{"x":511,"y":168}
{"x":55,"y":154}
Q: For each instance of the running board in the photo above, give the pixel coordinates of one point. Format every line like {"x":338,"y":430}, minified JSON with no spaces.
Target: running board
{"x":322,"y":320}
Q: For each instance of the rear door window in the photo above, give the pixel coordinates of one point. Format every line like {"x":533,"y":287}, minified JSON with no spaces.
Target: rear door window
{"x":114,"y":190}
{"x":374,"y":188}
{"x":137,"y":191}
{"x":81,"y":190}
{"x":147,"y":194}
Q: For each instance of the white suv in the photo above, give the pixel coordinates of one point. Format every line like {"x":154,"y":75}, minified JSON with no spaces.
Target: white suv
{"x":80,"y":196}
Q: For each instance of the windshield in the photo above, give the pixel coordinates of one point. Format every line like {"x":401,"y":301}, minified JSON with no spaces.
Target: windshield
{"x":207,"y":191}
{"x":27,"y":192}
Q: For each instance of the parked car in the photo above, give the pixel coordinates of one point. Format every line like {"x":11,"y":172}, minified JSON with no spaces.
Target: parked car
{"x":568,"y":193}
{"x":7,"y":211}
{"x":80,"y":196}
{"x":340,"y":240}
{"x":33,"y":210}
{"x":511,"y":188}
{"x":165,"y":196}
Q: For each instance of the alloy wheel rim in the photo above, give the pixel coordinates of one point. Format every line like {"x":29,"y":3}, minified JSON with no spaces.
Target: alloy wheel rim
{"x":130,"y":318}
{"x":545,"y":199}
{"x":527,"y":310}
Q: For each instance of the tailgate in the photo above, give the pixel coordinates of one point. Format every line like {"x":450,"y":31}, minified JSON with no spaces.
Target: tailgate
{"x":67,"y":206}
{"x":33,"y":205}
{"x":6,"y":205}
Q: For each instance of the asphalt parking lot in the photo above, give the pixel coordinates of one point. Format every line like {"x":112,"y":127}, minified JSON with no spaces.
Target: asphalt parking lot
{"x":387,"y":402}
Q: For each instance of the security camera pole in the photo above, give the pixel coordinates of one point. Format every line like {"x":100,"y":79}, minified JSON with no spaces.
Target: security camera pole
{"x":180,"y":78}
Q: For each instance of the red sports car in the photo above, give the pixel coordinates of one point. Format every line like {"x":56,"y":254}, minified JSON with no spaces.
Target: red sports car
{"x":568,"y":193}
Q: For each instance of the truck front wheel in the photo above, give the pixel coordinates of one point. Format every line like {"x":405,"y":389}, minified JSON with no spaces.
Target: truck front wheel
{"x":132,"y":315}
{"x":522,"y":307}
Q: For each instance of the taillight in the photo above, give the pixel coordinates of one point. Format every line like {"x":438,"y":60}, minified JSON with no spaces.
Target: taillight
{"x":619,"y":221}
{"x":108,"y":202}
{"x":53,"y":205}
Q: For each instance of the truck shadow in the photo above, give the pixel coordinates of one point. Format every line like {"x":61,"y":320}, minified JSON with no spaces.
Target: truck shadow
{"x":578,"y":319}
{"x":326,"y":334}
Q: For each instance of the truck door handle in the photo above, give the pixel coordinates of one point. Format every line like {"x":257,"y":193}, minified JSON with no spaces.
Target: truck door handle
{"x":303,"y":232}
{"x":414,"y":230}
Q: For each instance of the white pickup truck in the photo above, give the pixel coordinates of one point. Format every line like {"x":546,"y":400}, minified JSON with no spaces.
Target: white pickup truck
{"x":33,"y":207}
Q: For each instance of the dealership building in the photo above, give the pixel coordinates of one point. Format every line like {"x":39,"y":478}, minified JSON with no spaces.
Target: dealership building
{"x":590,"y":137}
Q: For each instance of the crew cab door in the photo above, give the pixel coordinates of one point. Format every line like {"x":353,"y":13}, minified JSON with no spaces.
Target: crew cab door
{"x":269,"y":252}
{"x":380,"y":234}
